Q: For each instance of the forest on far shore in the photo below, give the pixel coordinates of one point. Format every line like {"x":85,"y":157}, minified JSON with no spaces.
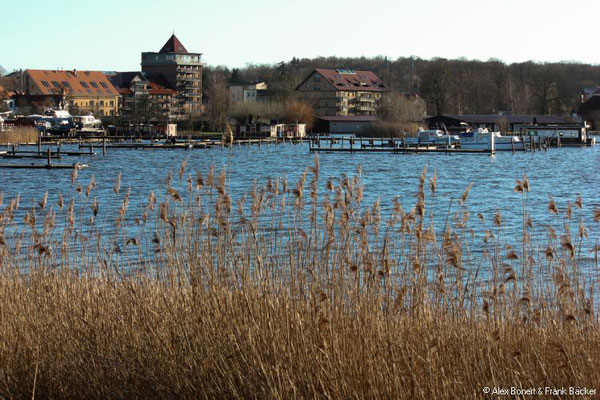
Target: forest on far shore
{"x":447,"y":86}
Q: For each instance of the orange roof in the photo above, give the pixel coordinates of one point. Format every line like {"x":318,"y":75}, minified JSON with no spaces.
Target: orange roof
{"x":77,"y":83}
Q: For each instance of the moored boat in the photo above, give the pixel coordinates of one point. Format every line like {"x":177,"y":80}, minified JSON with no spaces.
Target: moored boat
{"x":433,"y":137}
{"x":481,"y":139}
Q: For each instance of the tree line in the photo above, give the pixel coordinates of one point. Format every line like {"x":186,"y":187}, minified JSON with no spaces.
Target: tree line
{"x":447,"y":86}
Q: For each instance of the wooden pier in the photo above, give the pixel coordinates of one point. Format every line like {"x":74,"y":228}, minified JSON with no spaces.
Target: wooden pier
{"x":43,"y":166}
{"x":401,"y":146}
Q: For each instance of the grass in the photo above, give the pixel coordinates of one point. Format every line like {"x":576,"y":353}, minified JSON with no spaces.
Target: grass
{"x":290,"y":292}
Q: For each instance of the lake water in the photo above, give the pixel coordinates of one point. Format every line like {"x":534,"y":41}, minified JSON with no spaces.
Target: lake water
{"x":561,"y":173}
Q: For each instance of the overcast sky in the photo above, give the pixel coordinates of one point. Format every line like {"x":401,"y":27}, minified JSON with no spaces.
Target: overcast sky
{"x":111,"y":34}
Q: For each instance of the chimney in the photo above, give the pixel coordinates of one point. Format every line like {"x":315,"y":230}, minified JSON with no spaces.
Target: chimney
{"x":74,"y":72}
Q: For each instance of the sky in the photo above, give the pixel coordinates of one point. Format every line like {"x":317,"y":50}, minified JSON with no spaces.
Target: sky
{"x":109,"y":35}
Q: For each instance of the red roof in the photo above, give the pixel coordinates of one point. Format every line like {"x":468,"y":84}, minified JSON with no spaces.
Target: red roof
{"x":349,"y":80}
{"x":155,"y":88}
{"x":173,"y":45}
{"x":77,"y":83}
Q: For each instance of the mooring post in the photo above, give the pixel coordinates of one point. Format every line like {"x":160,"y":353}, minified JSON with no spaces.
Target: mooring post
{"x":14,"y":151}
{"x":492,"y":144}
{"x":49,"y":157}
{"x":58,"y":152}
{"x":512,"y":142}
{"x":104,"y":145}
{"x":39,"y":144}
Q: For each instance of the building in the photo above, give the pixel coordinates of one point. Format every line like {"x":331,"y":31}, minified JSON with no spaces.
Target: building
{"x":86,"y":91}
{"x":247,"y":92}
{"x":589,"y":109}
{"x":270,"y":131}
{"x":494,"y":122}
{"x":145,"y":95}
{"x":343,"y":92}
{"x":7,"y":94}
{"x":347,"y":124}
{"x":183,"y":72}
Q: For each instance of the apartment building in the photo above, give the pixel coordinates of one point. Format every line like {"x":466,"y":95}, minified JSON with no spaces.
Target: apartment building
{"x":86,"y":91}
{"x":183,"y":72}
{"x":343,"y":92}
{"x":145,"y":93}
{"x":247,"y":92}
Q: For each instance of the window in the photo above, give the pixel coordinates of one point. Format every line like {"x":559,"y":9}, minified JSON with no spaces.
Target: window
{"x":55,"y":84}
{"x":66,"y":84}
{"x":102,"y":102}
{"x":94,"y":85}
{"x":104,"y":85}
{"x":84,"y":84}
{"x":112,"y":103}
{"x":45,"y":83}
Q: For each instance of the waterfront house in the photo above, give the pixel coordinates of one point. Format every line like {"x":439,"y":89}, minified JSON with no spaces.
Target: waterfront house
{"x":247,"y":92}
{"x":86,"y":91}
{"x":270,"y":131}
{"x":289,"y":131}
{"x":145,"y":96}
{"x":348,"y":124}
{"x":589,"y":109}
{"x":183,"y":72}
{"x":342,"y":92}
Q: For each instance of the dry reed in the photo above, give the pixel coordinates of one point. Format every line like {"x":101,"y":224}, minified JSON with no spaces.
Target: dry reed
{"x":287,"y":292}
{"x":19,"y":135}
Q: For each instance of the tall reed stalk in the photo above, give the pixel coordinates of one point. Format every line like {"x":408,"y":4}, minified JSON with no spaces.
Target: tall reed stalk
{"x":289,"y":291}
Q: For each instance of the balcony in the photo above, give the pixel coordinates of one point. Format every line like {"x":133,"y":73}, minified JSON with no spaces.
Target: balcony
{"x":364,"y":100}
{"x":365,"y":108}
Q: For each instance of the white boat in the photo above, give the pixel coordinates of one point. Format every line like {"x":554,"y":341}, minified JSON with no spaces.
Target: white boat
{"x":432,"y":136}
{"x":481,"y":139}
{"x":88,"y":124}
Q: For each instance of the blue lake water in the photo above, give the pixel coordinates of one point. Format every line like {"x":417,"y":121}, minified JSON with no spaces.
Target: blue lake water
{"x":561,"y":173}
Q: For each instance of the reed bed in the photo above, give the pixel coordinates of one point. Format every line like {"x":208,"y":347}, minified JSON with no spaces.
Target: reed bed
{"x":295,"y":290}
{"x":19,"y":135}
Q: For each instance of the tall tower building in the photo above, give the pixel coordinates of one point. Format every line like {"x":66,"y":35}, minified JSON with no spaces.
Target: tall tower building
{"x":183,"y":71}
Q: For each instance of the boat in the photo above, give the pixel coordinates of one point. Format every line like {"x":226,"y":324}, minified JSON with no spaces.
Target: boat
{"x":60,"y":121}
{"x":88,"y":124}
{"x":432,"y":137}
{"x":481,"y":139}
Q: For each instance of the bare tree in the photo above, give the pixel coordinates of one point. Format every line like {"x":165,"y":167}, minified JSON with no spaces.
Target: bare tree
{"x":3,"y":71}
{"x":217,"y":101}
{"x":299,"y":112}
{"x":401,"y":107}
{"x":545,"y":92}
{"x":436,"y":86}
